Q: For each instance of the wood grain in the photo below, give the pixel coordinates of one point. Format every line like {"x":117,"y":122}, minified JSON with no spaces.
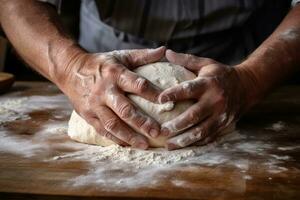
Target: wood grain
{"x":34,"y":177}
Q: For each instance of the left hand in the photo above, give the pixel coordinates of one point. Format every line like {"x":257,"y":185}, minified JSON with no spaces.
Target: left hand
{"x":219,"y":96}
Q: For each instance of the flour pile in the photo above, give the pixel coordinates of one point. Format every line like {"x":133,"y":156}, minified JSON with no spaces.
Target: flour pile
{"x":137,"y":158}
{"x":9,"y":110}
{"x":119,"y":167}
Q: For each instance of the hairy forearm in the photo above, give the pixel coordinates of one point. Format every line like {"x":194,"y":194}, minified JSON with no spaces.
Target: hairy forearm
{"x":275,"y":59}
{"x":34,"y":30}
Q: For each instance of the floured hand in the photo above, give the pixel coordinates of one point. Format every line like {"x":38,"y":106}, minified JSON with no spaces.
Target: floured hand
{"x":220,"y":101}
{"x":96,"y":86}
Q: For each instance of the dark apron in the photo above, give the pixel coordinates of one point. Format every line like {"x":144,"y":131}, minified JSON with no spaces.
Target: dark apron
{"x":226,"y":30}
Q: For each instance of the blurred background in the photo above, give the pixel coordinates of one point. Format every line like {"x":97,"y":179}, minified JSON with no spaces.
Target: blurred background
{"x":12,"y":63}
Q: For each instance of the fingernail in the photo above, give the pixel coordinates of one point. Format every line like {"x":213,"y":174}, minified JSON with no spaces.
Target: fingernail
{"x":142,"y":145}
{"x":171,"y":51}
{"x":163,"y":99}
{"x":171,"y":146}
{"x":153,"y":50}
{"x":165,"y":132}
{"x":154,"y":133}
{"x":161,"y":47}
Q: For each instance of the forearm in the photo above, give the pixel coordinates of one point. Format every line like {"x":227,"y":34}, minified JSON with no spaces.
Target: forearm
{"x":34,"y":30}
{"x":276,"y":59}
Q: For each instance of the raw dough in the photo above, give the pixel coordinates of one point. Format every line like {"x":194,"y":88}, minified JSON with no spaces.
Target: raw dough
{"x":161,"y":74}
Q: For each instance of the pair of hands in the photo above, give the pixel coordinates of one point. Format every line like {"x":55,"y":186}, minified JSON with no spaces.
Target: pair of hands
{"x":97,"y":85}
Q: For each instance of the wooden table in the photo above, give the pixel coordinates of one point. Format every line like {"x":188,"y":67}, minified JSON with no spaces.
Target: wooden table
{"x":270,"y":167}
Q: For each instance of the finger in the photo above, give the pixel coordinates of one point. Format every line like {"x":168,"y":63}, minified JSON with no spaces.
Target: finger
{"x":193,"y":115}
{"x":207,"y":140}
{"x":189,"y":61}
{"x":185,"y":90}
{"x":119,"y":129}
{"x":138,"y":57}
{"x":95,"y":122}
{"x":132,"y":115}
{"x":221,"y":131}
{"x":131,"y":82}
{"x":193,"y":135}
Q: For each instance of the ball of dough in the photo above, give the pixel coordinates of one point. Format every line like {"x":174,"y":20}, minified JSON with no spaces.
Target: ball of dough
{"x":161,"y":74}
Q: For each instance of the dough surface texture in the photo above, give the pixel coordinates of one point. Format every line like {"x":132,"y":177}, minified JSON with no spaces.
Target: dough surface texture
{"x":161,"y":74}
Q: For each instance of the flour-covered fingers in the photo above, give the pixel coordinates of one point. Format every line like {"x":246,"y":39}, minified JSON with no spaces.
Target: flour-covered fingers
{"x":188,"y":61}
{"x":96,"y":123}
{"x":130,"y":82}
{"x":192,"y":135}
{"x":207,"y":140}
{"x":191,"y":89}
{"x":132,"y":115}
{"x":192,"y":116}
{"x":184,"y":139}
{"x":119,"y":129}
{"x":137,"y":57}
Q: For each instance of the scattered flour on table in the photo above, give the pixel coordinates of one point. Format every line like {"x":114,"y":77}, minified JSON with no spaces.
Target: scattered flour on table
{"x":277,"y":127}
{"x":8,"y":110}
{"x":289,"y":148}
{"x":14,"y":108}
{"x":127,"y":167}
{"x":17,"y":108}
{"x":153,"y":157}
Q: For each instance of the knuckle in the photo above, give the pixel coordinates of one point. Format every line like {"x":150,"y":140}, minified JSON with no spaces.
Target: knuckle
{"x":189,"y":57}
{"x":107,"y":135}
{"x":110,"y":71}
{"x":141,"y":85}
{"x":85,"y":113}
{"x":198,"y":131}
{"x":194,"y":116}
{"x":197,"y":134}
{"x":129,"y":57}
{"x":220,"y":100}
{"x":103,"y":56}
{"x":91,"y":121}
{"x":125,"y":110}
{"x":144,"y":123}
{"x":129,"y":138}
{"x":111,"y":124}
{"x":187,"y":88}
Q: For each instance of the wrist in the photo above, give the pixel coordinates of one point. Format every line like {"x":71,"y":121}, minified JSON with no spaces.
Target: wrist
{"x":63,"y":56}
{"x":252,"y":90}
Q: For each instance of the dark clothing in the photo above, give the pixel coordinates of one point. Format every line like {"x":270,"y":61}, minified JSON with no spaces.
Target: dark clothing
{"x":225,"y":30}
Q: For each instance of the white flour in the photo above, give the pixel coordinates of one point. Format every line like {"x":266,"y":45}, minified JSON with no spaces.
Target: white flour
{"x":8,"y":110}
{"x":119,"y":167}
{"x":145,"y":158}
{"x":277,"y":127}
{"x":14,"y":108}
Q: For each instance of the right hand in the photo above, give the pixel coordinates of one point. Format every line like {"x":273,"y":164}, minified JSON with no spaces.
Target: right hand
{"x":96,"y":85}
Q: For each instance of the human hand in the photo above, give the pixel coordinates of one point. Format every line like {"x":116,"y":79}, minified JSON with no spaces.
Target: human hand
{"x":219,"y":96}
{"x":96,"y":86}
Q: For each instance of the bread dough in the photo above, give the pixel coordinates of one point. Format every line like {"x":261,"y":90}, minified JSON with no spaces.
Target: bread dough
{"x":161,"y":74}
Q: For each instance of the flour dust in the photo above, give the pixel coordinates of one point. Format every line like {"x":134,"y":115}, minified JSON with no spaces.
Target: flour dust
{"x":124,"y":168}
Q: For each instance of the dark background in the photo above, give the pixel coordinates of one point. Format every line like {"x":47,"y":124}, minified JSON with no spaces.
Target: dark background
{"x":70,"y":18}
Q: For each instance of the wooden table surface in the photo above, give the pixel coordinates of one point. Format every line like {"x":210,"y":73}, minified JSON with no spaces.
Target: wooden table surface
{"x":270,"y":167}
